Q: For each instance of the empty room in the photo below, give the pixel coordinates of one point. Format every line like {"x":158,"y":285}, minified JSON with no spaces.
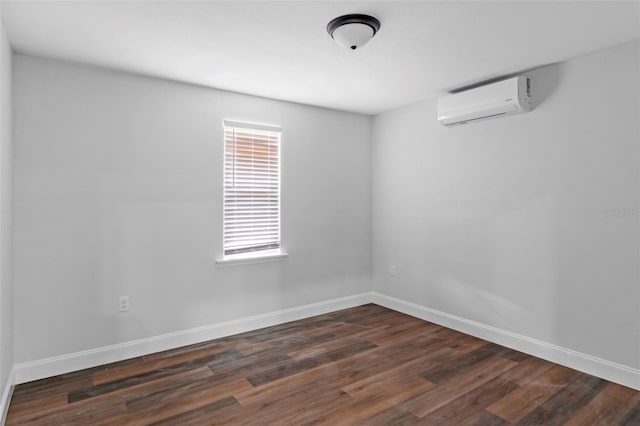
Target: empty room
{"x":319,"y":212}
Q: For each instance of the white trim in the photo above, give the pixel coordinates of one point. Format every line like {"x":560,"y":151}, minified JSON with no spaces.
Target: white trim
{"x":39,"y":369}
{"x":6,"y":395}
{"x":255,"y":257}
{"x":251,"y":126}
{"x":608,"y":370}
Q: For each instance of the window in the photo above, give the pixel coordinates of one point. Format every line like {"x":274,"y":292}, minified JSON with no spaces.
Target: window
{"x":251,"y":189}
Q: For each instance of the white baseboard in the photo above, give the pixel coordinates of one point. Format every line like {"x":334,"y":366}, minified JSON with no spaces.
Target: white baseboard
{"x":39,"y":369}
{"x":611,"y":371}
{"x":6,"y":396}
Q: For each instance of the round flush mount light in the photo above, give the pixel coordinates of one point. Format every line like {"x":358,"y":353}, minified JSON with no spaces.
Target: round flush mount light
{"x":353,"y":31}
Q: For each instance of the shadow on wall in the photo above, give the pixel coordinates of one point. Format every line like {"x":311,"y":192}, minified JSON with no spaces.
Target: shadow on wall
{"x":544,"y":82}
{"x":523,"y":241}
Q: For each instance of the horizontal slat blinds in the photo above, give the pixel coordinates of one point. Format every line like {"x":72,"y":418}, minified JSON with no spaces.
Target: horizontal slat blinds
{"x":251,"y":188}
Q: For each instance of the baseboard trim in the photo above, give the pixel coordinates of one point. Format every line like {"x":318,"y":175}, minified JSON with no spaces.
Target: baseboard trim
{"x":40,"y":369}
{"x":611,"y":371}
{"x":6,"y":396}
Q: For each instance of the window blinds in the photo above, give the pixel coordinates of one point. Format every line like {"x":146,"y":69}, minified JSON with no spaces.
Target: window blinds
{"x":251,"y":188}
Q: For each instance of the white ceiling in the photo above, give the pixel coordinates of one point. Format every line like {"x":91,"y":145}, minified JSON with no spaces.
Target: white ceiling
{"x":281,"y":49}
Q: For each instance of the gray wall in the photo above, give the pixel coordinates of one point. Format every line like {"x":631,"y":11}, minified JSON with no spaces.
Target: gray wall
{"x":6,"y":259}
{"x":509,"y":222}
{"x":527,"y":223}
{"x":118,"y":190}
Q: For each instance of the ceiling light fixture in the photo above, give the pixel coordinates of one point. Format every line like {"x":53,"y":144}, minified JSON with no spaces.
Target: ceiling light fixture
{"x":353,"y":31}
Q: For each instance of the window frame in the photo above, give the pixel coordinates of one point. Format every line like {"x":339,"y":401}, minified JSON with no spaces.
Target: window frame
{"x":251,"y":256}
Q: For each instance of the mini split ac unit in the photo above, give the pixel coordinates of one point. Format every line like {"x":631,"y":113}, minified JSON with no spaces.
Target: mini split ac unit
{"x":507,"y":97}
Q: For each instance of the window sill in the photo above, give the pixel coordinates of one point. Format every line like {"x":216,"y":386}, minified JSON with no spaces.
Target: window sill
{"x":253,"y":258}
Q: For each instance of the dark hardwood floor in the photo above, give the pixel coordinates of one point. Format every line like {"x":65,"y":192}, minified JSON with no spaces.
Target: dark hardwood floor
{"x":366,"y":365}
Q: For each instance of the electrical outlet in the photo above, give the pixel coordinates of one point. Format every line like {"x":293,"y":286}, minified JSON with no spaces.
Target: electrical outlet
{"x":123,"y":303}
{"x":392,"y":270}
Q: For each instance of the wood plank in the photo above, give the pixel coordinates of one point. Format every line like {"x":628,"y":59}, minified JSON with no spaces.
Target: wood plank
{"x":115,"y":398}
{"x":395,"y":336}
{"x":312,"y":413}
{"x":278,"y":373}
{"x":565,"y":403}
{"x":93,"y":414}
{"x":470,"y":404}
{"x":149,"y":376}
{"x":401,"y":373}
{"x":284,"y":344}
{"x":198,"y":415}
{"x":170,"y":403}
{"x":527,"y":370}
{"x":324,"y":348}
{"x":461,"y":343}
{"x":343,"y":372}
{"x":394,"y":416}
{"x":522,"y":401}
{"x":250,"y":366}
{"x":483,"y":418}
{"x":118,"y":373}
{"x":35,"y":391}
{"x":450,"y":389}
{"x":274,"y":410}
{"x":375,"y":401}
{"x":632,"y":418}
{"x":608,"y":407}
{"x":25,"y":407}
{"x":457,"y":364}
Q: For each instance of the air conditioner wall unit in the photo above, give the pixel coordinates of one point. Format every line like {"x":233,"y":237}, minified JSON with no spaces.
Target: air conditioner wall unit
{"x":507,"y":97}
